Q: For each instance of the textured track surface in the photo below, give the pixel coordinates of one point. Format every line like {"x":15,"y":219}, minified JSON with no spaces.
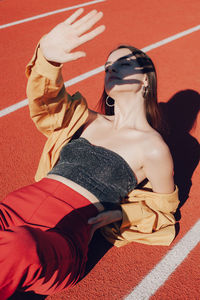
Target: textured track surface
{"x":140,"y":23}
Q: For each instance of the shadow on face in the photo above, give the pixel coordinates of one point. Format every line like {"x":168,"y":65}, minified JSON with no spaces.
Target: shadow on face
{"x":123,"y":67}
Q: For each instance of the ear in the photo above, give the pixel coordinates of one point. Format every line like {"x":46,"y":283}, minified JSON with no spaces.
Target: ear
{"x":145,"y":81}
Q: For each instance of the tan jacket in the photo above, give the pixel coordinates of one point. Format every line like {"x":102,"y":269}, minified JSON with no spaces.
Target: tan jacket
{"x":147,"y":216}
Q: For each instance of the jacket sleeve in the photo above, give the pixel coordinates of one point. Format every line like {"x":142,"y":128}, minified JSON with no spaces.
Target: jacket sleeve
{"x":148,"y":218}
{"x":48,"y":100}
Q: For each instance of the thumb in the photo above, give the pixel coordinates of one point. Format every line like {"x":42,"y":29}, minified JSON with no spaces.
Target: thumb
{"x":73,"y":56}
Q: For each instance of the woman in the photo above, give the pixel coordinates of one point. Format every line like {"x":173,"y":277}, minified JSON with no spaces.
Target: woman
{"x":86,"y":171}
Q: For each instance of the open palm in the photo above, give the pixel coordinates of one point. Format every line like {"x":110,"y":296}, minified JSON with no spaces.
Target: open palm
{"x":57,"y":45}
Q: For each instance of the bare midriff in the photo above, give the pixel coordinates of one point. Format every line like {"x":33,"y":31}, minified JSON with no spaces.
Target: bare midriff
{"x":78,"y":188}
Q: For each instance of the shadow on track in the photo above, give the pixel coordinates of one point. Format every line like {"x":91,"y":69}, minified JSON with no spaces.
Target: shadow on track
{"x":97,"y":249}
{"x":26,"y":296}
{"x":180,"y":114}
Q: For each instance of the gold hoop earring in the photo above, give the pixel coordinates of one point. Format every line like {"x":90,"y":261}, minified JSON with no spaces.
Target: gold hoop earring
{"x":108,"y":104}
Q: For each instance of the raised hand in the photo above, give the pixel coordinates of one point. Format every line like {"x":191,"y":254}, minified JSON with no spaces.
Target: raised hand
{"x":57,"y":45}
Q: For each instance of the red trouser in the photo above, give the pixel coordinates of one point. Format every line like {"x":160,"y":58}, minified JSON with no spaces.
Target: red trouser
{"x":43,"y":238}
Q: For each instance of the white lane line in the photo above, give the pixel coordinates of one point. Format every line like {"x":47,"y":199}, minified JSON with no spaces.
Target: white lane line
{"x":81,"y":77}
{"x":70,"y":82}
{"x":14,"y":107}
{"x":171,"y":38}
{"x":50,"y":13}
{"x":161,"y":272}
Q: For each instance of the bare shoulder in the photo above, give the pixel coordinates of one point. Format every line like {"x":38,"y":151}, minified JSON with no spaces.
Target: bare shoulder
{"x":158,"y":164}
{"x":92,"y":113}
{"x":155,"y":147}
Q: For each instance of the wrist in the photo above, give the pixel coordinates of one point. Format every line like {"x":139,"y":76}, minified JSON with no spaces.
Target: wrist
{"x":55,"y":64}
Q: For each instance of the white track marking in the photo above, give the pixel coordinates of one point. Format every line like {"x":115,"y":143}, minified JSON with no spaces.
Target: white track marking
{"x":79,"y":78}
{"x":50,"y":13}
{"x":13,"y":107}
{"x":168,"y":264}
{"x":70,"y":82}
{"x":171,"y":38}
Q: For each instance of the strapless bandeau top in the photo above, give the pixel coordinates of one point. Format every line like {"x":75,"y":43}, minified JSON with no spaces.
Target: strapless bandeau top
{"x":99,"y":170}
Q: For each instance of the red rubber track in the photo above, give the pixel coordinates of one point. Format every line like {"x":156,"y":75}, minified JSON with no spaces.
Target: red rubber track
{"x":139,"y":23}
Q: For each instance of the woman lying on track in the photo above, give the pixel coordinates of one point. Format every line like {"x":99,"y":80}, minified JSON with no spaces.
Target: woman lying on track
{"x":90,"y":166}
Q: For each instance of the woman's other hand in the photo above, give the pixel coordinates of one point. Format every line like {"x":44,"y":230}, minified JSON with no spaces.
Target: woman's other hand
{"x":57,"y":45}
{"x":103,"y":219}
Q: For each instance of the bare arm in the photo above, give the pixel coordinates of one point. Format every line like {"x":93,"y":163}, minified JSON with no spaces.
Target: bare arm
{"x":49,"y":103}
{"x":158,"y":167}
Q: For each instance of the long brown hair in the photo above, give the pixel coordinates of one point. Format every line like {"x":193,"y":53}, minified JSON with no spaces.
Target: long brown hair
{"x":151,"y":103}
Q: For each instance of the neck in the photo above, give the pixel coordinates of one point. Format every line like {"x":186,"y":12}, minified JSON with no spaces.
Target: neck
{"x":130,"y":112}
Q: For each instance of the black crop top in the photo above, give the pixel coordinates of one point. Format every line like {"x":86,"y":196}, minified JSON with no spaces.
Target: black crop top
{"x":101,"y":171}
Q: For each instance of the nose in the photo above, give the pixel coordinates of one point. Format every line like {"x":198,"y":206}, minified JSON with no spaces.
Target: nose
{"x":112,"y":68}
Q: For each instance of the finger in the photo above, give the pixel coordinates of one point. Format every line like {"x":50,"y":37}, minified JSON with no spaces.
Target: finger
{"x":96,"y":226}
{"x":92,"y":221}
{"x":96,"y":219}
{"x":92,"y":34}
{"x":88,"y":25}
{"x":68,"y":57}
{"x":74,"y":56}
{"x":85,"y":18}
{"x":74,"y":16}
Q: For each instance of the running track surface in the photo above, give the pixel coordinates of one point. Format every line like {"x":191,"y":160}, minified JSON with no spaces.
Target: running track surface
{"x":134,"y":269}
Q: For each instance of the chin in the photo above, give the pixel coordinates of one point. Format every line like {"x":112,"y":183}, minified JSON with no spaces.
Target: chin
{"x":116,"y":89}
